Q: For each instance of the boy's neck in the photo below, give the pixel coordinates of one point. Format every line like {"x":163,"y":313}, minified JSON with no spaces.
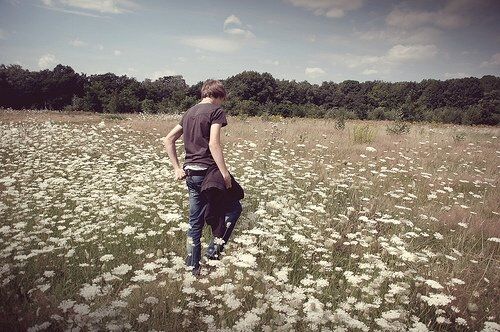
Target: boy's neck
{"x":208,"y":100}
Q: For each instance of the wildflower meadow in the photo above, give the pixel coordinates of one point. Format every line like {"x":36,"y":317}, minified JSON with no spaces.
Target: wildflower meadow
{"x":357,"y":227}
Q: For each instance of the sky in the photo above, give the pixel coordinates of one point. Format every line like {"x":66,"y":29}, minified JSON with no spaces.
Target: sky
{"x":312,"y":40}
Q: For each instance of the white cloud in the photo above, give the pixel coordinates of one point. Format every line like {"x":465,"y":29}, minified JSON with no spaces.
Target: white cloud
{"x":131,"y":72}
{"x":240,"y":32}
{"x":410,"y":19}
{"x":163,"y":72}
{"x":77,"y":43}
{"x":211,"y":43}
{"x":108,"y":6}
{"x":76,"y":12}
{"x":369,"y":72}
{"x":270,"y":62}
{"x":232,"y":19}
{"x":422,"y":35}
{"x":314,"y":72}
{"x":117,"y":52}
{"x":235,"y":29}
{"x":237,"y":37}
{"x":47,"y":61}
{"x":455,"y":75}
{"x":411,"y":52}
{"x":454,"y":14}
{"x":353,"y":60}
{"x":493,"y":61}
{"x":407,"y":19}
{"x":328,"y":8}
{"x":395,"y":56}
{"x":91,"y":8}
{"x":99,"y":47}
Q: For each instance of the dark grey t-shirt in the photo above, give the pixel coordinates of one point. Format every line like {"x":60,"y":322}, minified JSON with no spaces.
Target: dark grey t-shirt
{"x":196,"y":123}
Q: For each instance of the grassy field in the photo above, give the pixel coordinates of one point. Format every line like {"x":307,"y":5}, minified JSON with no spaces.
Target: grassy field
{"x":352,"y":229}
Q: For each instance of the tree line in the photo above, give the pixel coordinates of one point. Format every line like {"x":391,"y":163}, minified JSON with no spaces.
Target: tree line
{"x":467,"y":100}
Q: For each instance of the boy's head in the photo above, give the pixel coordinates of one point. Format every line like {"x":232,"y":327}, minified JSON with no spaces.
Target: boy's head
{"x":213,"y":89}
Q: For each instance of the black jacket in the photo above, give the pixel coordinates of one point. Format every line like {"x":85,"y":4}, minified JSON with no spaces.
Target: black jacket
{"x":214,"y":189}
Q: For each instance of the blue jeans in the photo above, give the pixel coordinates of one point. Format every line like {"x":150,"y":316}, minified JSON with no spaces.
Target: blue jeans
{"x":197,"y":204}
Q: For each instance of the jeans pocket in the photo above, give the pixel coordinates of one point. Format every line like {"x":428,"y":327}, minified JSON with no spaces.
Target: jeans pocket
{"x":196,"y":181}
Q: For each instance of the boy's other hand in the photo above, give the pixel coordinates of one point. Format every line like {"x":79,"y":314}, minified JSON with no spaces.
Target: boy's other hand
{"x":227,"y":180}
{"x":179,"y":174}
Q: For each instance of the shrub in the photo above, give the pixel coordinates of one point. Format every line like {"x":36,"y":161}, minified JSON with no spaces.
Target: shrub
{"x":340,"y":123}
{"x":68,"y":108}
{"x":148,"y":106}
{"x":460,"y":136}
{"x":271,"y":117}
{"x":383,"y":113}
{"x":447,"y":115}
{"x":363,"y":134}
{"x":336,"y":112}
{"x":339,"y":115}
{"x":113,"y":116}
{"x":248,"y":107}
{"x":242,"y":117}
{"x":398,"y":127}
{"x":315,"y":111}
{"x":473,"y":115}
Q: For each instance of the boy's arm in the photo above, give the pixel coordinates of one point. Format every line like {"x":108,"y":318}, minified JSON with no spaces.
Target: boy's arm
{"x":216,"y":150}
{"x":169,"y":143}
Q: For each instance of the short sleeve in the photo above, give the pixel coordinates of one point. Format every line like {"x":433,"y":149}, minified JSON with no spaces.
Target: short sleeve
{"x":219,"y":116}
{"x":182,"y":119}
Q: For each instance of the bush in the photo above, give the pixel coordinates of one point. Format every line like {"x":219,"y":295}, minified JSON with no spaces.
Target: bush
{"x":363,"y":134}
{"x":315,"y":111}
{"x":68,"y":108}
{"x":148,"y":106}
{"x":248,"y":107}
{"x":447,"y":115}
{"x":383,"y":113}
{"x":271,"y":117}
{"x":473,"y":115}
{"x":340,"y":115}
{"x":398,"y":127}
{"x":460,"y":136}
{"x":243,"y":117}
{"x":340,"y":123}
{"x":336,"y":112}
{"x":187,"y":103}
{"x":165,"y":106}
{"x":288,"y":109}
{"x":113,"y":116}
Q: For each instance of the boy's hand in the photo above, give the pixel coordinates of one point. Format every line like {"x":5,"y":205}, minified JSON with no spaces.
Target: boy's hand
{"x":227,"y":179}
{"x":179,"y":174}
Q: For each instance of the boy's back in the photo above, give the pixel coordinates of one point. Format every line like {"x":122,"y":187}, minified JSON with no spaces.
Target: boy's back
{"x":195,"y":124}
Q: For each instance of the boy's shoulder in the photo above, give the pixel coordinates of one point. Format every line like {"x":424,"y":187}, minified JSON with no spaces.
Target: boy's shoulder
{"x":204,"y":107}
{"x":210,"y":111}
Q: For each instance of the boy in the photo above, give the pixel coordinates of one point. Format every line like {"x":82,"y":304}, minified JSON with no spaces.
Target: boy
{"x":201,"y":126}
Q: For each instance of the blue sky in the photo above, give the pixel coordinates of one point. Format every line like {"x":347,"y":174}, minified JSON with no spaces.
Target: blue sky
{"x":313,"y":40}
